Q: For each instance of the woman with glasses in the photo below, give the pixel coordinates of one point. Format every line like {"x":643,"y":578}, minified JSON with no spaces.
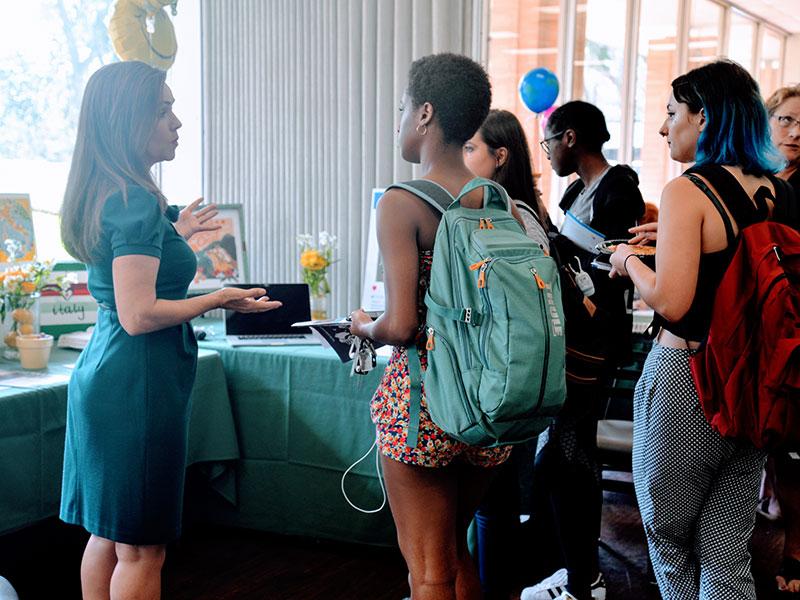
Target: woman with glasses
{"x":601,"y":204}
{"x":696,"y":490}
{"x":783,"y":473}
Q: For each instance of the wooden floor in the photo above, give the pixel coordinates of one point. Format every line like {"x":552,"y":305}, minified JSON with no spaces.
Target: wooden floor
{"x":212,"y":563}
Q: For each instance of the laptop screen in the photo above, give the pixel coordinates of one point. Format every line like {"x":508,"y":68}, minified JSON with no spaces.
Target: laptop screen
{"x":296,"y":307}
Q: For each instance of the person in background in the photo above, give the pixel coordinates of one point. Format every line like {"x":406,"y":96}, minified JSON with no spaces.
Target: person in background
{"x":783,"y":471}
{"x":499,"y":151}
{"x":128,"y":396}
{"x":434,"y":487}
{"x":696,"y":490}
{"x":566,"y":485}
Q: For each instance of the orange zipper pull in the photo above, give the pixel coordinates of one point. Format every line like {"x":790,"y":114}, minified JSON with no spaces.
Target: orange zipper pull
{"x":489,"y":224}
{"x":482,"y":224}
{"x":539,"y":280}
{"x":482,"y":273}
{"x":429,"y":345}
{"x":478,"y":265}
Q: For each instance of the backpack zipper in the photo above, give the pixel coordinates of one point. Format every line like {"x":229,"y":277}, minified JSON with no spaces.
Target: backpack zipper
{"x":462,"y":394}
{"x":546,"y":362}
{"x":484,"y":332}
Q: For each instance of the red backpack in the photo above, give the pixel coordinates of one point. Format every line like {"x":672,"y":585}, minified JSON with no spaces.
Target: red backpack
{"x":747,"y":373}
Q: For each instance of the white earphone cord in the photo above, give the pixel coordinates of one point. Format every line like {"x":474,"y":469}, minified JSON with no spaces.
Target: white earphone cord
{"x":380,"y":480}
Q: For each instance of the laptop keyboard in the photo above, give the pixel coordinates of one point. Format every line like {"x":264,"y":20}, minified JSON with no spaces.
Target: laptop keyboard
{"x":273,"y":336}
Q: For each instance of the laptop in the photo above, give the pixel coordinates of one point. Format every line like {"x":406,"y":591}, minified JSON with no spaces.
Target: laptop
{"x":274,"y":327}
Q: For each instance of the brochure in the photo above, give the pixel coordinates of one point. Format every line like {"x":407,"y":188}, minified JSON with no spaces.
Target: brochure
{"x":335,"y":334}
{"x":580,"y":233}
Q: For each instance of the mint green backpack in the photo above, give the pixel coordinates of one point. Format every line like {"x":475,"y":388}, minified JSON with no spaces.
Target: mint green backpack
{"x":495,"y":324}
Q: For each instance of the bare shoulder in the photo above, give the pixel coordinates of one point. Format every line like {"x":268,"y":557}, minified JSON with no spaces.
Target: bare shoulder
{"x":399,"y":201}
{"x":682,"y":195}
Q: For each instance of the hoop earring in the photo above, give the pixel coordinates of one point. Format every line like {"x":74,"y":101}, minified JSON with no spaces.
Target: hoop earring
{"x":425,"y":129}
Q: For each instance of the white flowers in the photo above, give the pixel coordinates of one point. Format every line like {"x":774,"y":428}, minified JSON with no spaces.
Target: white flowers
{"x":304,"y":240}
{"x":325,"y":241}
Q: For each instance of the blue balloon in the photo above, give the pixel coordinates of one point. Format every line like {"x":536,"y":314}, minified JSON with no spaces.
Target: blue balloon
{"x":538,"y":89}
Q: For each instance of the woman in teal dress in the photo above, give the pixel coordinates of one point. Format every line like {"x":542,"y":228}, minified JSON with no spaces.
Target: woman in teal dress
{"x":128,"y":408}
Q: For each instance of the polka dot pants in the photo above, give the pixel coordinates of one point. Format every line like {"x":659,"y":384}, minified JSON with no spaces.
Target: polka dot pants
{"x":697,"y":491}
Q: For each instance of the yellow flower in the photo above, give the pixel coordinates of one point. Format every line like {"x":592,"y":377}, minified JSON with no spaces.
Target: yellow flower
{"x":313,"y":260}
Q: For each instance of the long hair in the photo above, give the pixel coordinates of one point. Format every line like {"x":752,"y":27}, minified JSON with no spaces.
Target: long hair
{"x":502,"y":129}
{"x":737,"y":127}
{"x":118,"y":114}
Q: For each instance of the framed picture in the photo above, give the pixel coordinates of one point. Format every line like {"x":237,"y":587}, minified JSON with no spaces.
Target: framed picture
{"x":221,"y":253}
{"x":373,"y":297}
{"x":17,"y":240}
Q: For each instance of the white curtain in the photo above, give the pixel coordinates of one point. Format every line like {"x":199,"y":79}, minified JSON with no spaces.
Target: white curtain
{"x":299,"y":112}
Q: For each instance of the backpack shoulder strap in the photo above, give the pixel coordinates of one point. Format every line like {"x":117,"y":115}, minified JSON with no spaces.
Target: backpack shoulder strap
{"x":434,"y":194}
{"x":440,"y":200}
{"x":493,"y":193}
{"x":717,"y":204}
{"x":736,"y":199}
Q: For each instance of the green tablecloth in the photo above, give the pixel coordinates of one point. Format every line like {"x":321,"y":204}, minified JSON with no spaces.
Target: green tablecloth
{"x":302,"y":420}
{"x":32,"y":425}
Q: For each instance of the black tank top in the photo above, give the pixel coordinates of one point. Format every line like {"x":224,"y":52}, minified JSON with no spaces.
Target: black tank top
{"x":696,"y":322}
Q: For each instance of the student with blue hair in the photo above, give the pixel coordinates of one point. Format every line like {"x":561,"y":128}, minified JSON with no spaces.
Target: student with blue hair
{"x":697,"y":491}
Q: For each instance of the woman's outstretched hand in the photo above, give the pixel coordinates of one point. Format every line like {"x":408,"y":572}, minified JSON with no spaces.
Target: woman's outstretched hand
{"x":644,"y":233}
{"x":190,"y":222}
{"x":246,"y":301}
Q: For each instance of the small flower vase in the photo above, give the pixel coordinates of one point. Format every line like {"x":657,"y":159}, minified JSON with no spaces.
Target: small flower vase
{"x":21,"y":318}
{"x":320,"y":306}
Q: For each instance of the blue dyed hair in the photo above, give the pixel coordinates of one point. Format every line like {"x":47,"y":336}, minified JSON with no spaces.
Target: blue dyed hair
{"x":737,"y":126}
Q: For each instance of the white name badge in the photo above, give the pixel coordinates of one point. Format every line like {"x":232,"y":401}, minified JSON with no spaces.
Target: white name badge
{"x":580,"y":233}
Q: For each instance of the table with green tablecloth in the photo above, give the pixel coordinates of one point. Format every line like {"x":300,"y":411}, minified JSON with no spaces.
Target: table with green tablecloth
{"x":302,"y":420}
{"x":32,"y":426}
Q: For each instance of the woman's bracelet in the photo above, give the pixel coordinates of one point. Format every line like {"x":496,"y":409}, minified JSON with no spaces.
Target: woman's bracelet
{"x":625,"y":262}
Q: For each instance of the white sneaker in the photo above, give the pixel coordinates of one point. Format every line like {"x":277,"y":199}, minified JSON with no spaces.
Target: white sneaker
{"x":566,"y":596}
{"x":549,"y":588}
{"x":599,"y":588}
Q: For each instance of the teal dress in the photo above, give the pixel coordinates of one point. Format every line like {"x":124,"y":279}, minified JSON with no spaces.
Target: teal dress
{"x":128,"y":407}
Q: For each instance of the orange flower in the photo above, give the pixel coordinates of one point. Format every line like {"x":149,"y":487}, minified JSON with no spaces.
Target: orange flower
{"x":313,"y":260}
{"x":28,"y":287}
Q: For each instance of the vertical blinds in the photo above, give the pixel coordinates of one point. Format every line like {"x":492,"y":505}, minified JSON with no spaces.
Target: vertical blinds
{"x":299,"y":115}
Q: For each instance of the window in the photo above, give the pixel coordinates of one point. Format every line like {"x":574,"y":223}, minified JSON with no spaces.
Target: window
{"x":48,"y":50}
{"x":705,"y":32}
{"x":741,"y":40}
{"x":599,"y":63}
{"x":770,"y":62}
{"x":656,"y":67}
{"x":523,"y":36}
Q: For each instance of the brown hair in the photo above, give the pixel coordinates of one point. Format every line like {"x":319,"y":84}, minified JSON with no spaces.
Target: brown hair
{"x":118,"y":114}
{"x":502,"y":129}
{"x":780,"y":96}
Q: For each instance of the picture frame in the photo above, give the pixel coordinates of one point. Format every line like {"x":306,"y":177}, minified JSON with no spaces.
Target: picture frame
{"x":373,"y":295}
{"x":221,"y":254}
{"x":17,"y":237}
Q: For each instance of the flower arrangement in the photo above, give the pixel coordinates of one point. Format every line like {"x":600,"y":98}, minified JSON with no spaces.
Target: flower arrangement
{"x":19,"y":287}
{"x":315,"y":260}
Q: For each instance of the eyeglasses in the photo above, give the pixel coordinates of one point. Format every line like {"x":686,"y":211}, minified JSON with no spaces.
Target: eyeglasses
{"x":785,"y":121}
{"x":546,"y":145}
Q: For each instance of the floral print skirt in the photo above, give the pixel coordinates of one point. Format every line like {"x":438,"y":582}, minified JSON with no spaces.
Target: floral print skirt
{"x":389,"y":411}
